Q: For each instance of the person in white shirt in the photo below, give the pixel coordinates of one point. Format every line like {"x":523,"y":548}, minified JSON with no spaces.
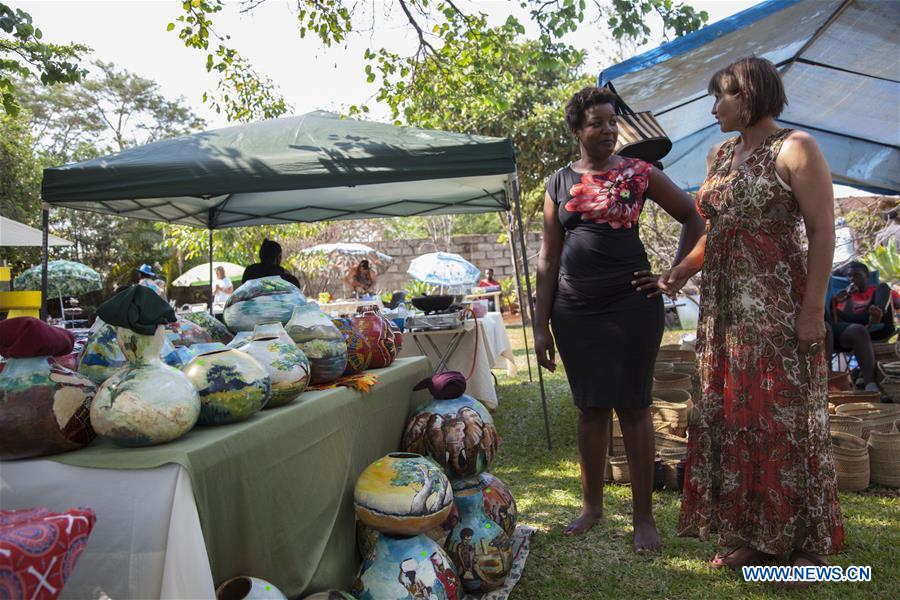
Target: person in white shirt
{"x":222,"y":288}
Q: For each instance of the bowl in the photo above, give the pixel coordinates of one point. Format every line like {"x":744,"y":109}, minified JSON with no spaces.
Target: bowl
{"x":432,"y":303}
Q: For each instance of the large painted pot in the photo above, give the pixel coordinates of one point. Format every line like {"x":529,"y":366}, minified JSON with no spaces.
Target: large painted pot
{"x":101,"y":355}
{"x":359,"y":351}
{"x":286,"y":364}
{"x":44,"y":408}
{"x":322,"y":342}
{"x":499,"y":503}
{"x":232,"y":385}
{"x":458,"y":433}
{"x":146,"y":402}
{"x":406,"y":568}
{"x":184,"y":332}
{"x":214,"y":327}
{"x":248,"y":588}
{"x":378,"y":331}
{"x":479,"y":546}
{"x":366,"y":536}
{"x":262,"y":301}
{"x":402,"y":494}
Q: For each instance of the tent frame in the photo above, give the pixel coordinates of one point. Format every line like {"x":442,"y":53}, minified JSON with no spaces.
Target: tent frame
{"x":512,"y":189}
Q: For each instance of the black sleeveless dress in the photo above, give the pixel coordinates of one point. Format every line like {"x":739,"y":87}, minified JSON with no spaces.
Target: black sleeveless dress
{"x":607,"y":332}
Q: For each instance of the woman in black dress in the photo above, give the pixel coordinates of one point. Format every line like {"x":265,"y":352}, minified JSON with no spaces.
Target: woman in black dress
{"x":595,"y":287}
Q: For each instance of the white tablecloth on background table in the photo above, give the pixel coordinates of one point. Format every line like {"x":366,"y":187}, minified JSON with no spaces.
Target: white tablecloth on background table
{"x":493,"y":351}
{"x":147,"y":542}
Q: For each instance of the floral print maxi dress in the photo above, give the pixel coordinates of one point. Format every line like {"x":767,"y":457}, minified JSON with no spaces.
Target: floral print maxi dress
{"x":759,"y":468}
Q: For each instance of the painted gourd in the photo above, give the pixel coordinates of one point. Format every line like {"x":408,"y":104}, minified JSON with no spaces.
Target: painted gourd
{"x":232,"y":385}
{"x":286,"y":364}
{"x":406,"y":568}
{"x":262,"y":301}
{"x":322,"y":342}
{"x":359,"y":351}
{"x":378,"y":331}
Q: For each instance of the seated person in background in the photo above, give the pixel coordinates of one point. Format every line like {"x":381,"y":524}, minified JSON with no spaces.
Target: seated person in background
{"x":361,"y":279}
{"x":860,"y":314}
{"x":490,"y":282}
{"x":147,"y":278}
{"x":269,"y":264}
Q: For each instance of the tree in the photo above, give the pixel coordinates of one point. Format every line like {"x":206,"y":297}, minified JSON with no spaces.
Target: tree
{"x":20,"y":184}
{"x":22,"y":53}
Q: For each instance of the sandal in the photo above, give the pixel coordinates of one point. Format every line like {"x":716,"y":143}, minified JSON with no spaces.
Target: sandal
{"x":753,"y":557}
{"x":815,"y":560}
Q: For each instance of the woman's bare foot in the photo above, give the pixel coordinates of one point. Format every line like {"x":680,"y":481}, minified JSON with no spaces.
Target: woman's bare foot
{"x":740,"y":556}
{"x":583,"y":522}
{"x":646,"y":537}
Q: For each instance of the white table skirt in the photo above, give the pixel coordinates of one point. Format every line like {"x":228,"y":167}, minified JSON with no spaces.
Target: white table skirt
{"x":493,"y":351}
{"x":147,"y":542}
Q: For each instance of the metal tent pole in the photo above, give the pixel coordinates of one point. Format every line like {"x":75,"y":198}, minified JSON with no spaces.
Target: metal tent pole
{"x":515,"y":250}
{"x":515,"y":189}
{"x":210,"y":288}
{"x":45,"y":255}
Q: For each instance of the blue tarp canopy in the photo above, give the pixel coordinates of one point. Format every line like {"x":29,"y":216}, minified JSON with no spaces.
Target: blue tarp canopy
{"x":840,"y":67}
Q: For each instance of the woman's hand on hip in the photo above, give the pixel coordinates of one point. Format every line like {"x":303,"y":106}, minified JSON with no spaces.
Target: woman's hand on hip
{"x":810,"y":331}
{"x":647,"y":283}
{"x":544,"y":347}
{"x":671,"y":281}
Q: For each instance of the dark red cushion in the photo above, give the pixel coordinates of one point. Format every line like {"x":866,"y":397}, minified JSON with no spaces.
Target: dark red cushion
{"x":26,"y":337}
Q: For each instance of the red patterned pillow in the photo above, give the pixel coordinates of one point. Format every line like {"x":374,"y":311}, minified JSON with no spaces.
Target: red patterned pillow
{"x":38,"y":550}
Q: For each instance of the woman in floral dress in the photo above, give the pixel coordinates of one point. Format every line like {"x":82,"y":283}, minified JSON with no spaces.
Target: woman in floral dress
{"x":760,"y":472}
{"x":595,"y":288}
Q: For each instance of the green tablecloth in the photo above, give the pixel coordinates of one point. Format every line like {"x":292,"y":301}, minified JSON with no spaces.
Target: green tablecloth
{"x":275,"y":493}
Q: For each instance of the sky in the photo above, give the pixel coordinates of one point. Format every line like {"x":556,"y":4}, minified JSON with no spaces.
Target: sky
{"x":310,"y":76}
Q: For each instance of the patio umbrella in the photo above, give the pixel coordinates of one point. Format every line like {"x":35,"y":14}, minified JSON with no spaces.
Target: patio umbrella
{"x":64,"y":278}
{"x":199,"y":275}
{"x":347,"y":254}
{"x":443,"y":269}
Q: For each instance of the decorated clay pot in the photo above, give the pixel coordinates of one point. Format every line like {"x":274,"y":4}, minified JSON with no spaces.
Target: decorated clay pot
{"x":214,"y":327}
{"x":248,"y":588}
{"x":286,"y":364}
{"x":262,"y":301}
{"x":378,"y":331}
{"x":366,"y":536}
{"x":322,"y":342}
{"x":184,"y":332}
{"x":232,"y":385}
{"x":459,"y":434}
{"x":359,"y":351}
{"x":101,"y":355}
{"x":44,"y":408}
{"x":240,"y":339}
{"x":404,"y":568}
{"x":499,"y":503}
{"x":331,"y":595}
{"x":146,"y":402}
{"x":479,"y":546}
{"x":402,"y":494}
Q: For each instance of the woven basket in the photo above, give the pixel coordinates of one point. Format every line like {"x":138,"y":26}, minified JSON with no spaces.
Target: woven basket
{"x":885,"y":351}
{"x":687,"y":356}
{"x":671,"y":453}
{"x":672,"y":381}
{"x":663,"y":367}
{"x":670,"y":470}
{"x":667,"y":440}
{"x":839,"y":381}
{"x":670,"y":417}
{"x":670,"y":347}
{"x":875,"y":416}
{"x":838,"y":398}
{"x":618,"y":446}
{"x":831,"y":408}
{"x":884,"y":457}
{"x":846,"y":423}
{"x":619,"y":466}
{"x":891,"y":387}
{"x":616,"y":427}
{"x":890,"y":369}
{"x":851,"y":462}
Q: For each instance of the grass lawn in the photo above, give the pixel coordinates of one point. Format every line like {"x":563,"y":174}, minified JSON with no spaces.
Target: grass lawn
{"x":601,"y":563}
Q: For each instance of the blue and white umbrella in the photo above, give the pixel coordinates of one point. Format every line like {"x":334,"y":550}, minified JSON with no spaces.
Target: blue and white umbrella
{"x":444,"y":269}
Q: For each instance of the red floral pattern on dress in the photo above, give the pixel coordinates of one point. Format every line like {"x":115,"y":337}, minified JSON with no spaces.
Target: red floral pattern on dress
{"x":759,"y":468}
{"x":614,"y":197}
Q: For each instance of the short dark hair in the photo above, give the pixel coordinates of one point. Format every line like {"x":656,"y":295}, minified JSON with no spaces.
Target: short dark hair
{"x":583,"y":100}
{"x":758,"y":83}
{"x":269,"y":251}
{"x":855,"y":264}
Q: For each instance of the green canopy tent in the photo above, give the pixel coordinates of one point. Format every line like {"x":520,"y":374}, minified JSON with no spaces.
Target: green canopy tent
{"x":309,"y":168}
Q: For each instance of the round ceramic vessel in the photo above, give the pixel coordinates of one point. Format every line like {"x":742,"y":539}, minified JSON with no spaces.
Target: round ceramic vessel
{"x":101,"y":355}
{"x":261,"y":301}
{"x":44,"y":408}
{"x":248,"y":588}
{"x":377,"y":330}
{"x":459,"y":434}
{"x":214,"y":327}
{"x":147,"y":402}
{"x":186,"y":333}
{"x":479,"y":546}
{"x":286,"y":364}
{"x":232,"y":385}
{"x":406,"y":568}
{"x":402,"y":494}
{"x":331,"y":595}
{"x":366,"y":536}
{"x":322,"y":342}
{"x":359,"y":351}
{"x":499,"y":503}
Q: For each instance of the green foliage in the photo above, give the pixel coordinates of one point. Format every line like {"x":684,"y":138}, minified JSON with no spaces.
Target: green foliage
{"x":239,"y":245}
{"x":20,"y":185}
{"x":885,"y":259}
{"x":22,"y":52}
{"x":415,"y":289}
